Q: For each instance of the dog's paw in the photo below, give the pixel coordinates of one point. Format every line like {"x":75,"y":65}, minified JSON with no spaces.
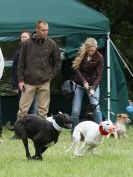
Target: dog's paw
{"x":29,"y":158}
{"x":97,"y":153}
{"x":67,"y":150}
{"x":78,"y":155}
{"x":36,"y":157}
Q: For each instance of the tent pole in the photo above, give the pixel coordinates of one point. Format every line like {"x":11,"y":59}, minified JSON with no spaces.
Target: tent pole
{"x":108,"y":75}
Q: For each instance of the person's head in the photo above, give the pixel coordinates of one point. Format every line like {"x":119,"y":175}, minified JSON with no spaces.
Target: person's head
{"x":24,"y":35}
{"x":42,"y":29}
{"x":90,"y":46}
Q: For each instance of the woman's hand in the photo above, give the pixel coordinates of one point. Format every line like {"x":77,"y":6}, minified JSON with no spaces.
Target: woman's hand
{"x":86,"y":85}
{"x":92,"y":92}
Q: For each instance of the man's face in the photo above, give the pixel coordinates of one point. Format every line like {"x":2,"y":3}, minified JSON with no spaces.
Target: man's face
{"x":42,"y":30}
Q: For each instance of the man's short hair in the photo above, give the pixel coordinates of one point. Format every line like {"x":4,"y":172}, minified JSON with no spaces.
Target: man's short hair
{"x":41,"y":21}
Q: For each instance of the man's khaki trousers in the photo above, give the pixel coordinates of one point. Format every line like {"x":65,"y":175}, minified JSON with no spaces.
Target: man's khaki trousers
{"x":27,"y":96}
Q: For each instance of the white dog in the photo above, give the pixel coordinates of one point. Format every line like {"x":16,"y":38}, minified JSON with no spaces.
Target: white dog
{"x":92,"y":134}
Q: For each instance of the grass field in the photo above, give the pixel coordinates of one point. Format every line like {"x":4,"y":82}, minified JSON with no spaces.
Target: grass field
{"x":116,"y":159}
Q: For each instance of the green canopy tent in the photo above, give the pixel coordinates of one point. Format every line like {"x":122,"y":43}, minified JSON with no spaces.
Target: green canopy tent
{"x":75,"y":22}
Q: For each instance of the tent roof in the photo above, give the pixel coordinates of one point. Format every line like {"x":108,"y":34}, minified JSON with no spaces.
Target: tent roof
{"x":64,"y":17}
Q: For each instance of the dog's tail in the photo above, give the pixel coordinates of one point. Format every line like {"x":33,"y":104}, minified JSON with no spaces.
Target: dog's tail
{"x":9,"y":126}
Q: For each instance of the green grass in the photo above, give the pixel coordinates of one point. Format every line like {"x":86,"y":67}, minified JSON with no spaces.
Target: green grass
{"x":116,"y":159}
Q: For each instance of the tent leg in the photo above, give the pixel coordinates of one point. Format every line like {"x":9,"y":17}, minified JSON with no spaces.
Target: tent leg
{"x":108,"y":75}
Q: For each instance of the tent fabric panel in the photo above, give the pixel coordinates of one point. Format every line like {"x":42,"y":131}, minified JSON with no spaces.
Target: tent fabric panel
{"x":64,"y":17}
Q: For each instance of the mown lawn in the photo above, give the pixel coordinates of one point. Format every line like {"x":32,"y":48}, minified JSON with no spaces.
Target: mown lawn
{"x":116,"y":159}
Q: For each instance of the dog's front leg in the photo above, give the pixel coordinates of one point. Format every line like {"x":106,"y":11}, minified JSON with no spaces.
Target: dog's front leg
{"x":38,"y":155}
{"x":42,"y":149}
{"x":108,"y":136}
{"x":115,"y":134}
{"x":25,"y":142}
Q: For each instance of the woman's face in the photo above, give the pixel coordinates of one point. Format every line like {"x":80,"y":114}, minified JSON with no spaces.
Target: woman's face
{"x":24,"y":36}
{"x":90,"y":51}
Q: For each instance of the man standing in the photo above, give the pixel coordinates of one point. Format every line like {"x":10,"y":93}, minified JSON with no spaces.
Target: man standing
{"x":39,"y":63}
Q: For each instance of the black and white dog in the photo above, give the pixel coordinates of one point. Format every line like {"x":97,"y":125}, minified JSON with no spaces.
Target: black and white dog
{"x":43,"y":132}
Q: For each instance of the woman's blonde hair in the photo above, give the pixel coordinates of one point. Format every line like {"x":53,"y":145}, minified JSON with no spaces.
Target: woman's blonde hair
{"x":89,"y":42}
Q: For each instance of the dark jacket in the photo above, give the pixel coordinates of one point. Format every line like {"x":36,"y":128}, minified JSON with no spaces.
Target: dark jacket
{"x":39,"y":61}
{"x":14,"y":69}
{"x":90,"y":71}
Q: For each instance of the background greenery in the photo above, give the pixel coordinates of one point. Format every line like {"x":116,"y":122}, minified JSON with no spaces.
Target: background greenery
{"x":120,"y":14}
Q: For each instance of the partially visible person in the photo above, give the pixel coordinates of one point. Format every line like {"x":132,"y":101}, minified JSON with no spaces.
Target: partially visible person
{"x":1,"y":63}
{"x":1,"y":73}
{"x":39,"y":62}
{"x":88,"y":66}
{"x":24,"y":35}
{"x":130,"y":102}
{"x":129,"y":108}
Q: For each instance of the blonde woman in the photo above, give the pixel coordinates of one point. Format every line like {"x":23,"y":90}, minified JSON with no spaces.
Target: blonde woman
{"x":88,"y":66}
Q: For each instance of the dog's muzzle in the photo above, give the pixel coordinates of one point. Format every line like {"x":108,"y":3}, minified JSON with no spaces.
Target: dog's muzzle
{"x":68,"y":126}
{"x":128,"y":121}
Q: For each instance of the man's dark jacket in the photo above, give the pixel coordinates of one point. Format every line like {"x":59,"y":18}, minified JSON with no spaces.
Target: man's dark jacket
{"x":39,"y":61}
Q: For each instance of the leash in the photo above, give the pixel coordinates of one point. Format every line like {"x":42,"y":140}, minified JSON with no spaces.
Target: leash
{"x":111,"y":112}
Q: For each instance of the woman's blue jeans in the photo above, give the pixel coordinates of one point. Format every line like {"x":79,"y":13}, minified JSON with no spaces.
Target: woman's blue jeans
{"x":34,"y":106}
{"x":77,"y":103}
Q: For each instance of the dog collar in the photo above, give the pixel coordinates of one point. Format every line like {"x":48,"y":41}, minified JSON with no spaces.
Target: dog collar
{"x":102,"y":131}
{"x":56,"y":126}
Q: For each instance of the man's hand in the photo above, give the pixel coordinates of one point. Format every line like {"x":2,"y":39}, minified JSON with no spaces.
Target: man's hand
{"x":21,"y":86}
